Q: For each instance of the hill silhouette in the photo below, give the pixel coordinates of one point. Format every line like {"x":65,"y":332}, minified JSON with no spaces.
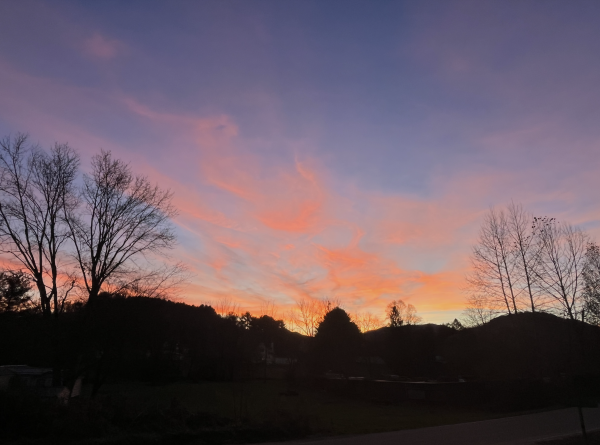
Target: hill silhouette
{"x":524,"y":345}
{"x":145,"y":339}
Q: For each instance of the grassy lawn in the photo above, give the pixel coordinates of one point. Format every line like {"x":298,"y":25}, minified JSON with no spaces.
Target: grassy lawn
{"x":264,"y":402}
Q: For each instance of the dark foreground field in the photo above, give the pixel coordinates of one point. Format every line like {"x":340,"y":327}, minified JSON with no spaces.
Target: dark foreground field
{"x":258,"y":402}
{"x":593,"y":438}
{"x":214,"y":413}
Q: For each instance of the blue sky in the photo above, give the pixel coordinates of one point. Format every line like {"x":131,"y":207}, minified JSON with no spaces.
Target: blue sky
{"x":322,"y":148}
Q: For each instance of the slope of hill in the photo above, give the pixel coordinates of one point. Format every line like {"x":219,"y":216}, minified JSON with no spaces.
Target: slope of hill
{"x":525,"y":345}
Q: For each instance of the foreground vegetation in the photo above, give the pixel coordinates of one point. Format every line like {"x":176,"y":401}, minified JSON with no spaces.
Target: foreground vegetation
{"x":215,"y":412}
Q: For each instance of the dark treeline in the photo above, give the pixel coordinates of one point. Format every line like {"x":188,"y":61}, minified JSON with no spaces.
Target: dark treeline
{"x":147,"y":339}
{"x":141,"y":338}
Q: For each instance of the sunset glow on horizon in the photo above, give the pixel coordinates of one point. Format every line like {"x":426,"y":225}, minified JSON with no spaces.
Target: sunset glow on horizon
{"x":342,"y":149}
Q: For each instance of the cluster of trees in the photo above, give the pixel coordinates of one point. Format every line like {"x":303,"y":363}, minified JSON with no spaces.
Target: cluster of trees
{"x":526,"y":263}
{"x":399,"y":313}
{"x":70,"y":235}
{"x":151,"y":339}
{"x":308,"y":313}
{"x":63,"y":233}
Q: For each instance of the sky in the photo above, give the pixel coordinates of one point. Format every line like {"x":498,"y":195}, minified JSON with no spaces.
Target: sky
{"x":339,"y":148}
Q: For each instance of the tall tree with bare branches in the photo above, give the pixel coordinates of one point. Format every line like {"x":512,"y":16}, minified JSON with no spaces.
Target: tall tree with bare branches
{"x":121,"y":220}
{"x":366,"y":321}
{"x":478,"y":311}
{"x":35,"y":186}
{"x":525,"y":254}
{"x":399,"y":313}
{"x":309,"y":312}
{"x":591,"y":281}
{"x":529,"y":263}
{"x":493,"y":268}
{"x":562,"y":250}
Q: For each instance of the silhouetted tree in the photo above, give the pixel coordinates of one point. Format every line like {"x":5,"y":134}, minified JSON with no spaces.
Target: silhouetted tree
{"x":399,"y":313}
{"x":245,"y":320}
{"x":337,"y":342}
{"x":266,"y":325}
{"x":562,"y":254}
{"x":366,"y":321}
{"x":493,"y":269}
{"x":394,"y":311}
{"x":309,"y":312}
{"x":591,"y":280}
{"x":456,"y":325}
{"x":522,"y":263}
{"x":410,"y":315}
{"x":478,"y":311}
{"x":121,"y":219}
{"x":226,"y":306}
{"x":14,"y":290}
{"x":35,"y":189}
{"x":525,"y":254}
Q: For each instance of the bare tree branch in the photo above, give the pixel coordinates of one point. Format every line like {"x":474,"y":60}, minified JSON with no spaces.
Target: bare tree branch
{"x":121,"y":218}
{"x":562,"y":249}
{"x":34,"y":187}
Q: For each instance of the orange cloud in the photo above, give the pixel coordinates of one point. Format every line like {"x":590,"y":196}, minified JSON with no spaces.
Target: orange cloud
{"x":277,"y":231}
{"x":252,"y":227}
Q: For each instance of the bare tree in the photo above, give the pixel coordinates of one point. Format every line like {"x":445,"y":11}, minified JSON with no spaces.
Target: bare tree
{"x":526,"y":253}
{"x":366,"y":321}
{"x":525,"y":263}
{"x":493,"y":267}
{"x":562,"y":250}
{"x":226,"y":307}
{"x":309,"y":312}
{"x":478,"y":311}
{"x":394,"y":312}
{"x":410,"y":316}
{"x":291,"y":320}
{"x":161,"y":281}
{"x":591,"y":280}
{"x":269,"y":308}
{"x":399,"y":313}
{"x":121,"y":220}
{"x":34,"y":188}
{"x":307,"y":316}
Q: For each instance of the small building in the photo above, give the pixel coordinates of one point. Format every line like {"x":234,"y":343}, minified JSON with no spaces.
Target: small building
{"x":267,"y":365}
{"x":38,"y":380}
{"x":28,"y":376}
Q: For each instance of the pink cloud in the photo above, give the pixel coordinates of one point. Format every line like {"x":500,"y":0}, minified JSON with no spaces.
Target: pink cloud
{"x":101,"y":47}
{"x":257,"y":228}
{"x":283,"y":232}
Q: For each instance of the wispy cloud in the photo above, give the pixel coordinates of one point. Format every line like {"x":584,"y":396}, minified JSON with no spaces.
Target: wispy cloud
{"x":102,"y":47}
{"x":310,"y":163}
